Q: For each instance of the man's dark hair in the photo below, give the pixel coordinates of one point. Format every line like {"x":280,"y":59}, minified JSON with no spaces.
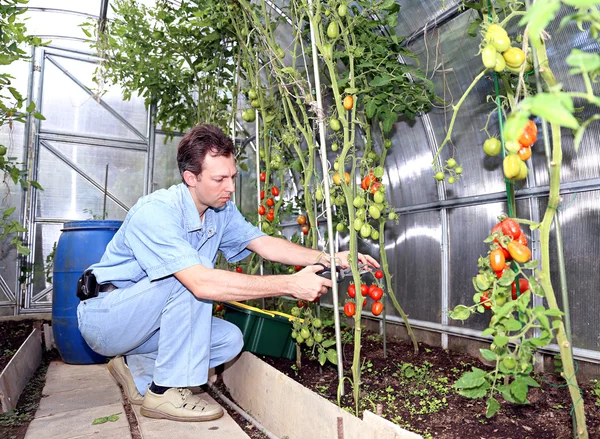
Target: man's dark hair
{"x":197,"y":142}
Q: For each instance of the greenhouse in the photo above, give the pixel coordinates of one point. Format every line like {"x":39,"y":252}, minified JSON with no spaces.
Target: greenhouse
{"x":300,"y":219}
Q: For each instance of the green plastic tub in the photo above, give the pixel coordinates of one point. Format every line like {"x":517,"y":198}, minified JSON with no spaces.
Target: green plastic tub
{"x":265,"y":332}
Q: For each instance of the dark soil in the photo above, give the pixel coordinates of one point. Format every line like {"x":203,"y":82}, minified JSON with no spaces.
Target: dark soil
{"x":13,"y":425}
{"x":426,"y":403}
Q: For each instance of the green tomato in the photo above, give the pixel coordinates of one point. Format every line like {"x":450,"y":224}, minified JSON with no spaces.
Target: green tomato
{"x":310,"y":342}
{"x":451,"y":163}
{"x":512,"y":146}
{"x":342,"y":10}
{"x":334,"y":147}
{"x":458,"y":170}
{"x":361,"y":213}
{"x":374,"y":235}
{"x":299,"y":339}
{"x":451,"y":180}
{"x":365,"y":230}
{"x":358,"y":223}
{"x":393,"y":216}
{"x":374,"y":212}
{"x":333,"y":30}
{"x":358,"y":201}
{"x":252,"y":94}
{"x":3,"y":148}
{"x":327,"y":12}
{"x":295,"y":311}
{"x":319,"y":194}
{"x":335,"y":124}
{"x":492,"y":146}
{"x":255,"y":103}
{"x":500,"y":63}
{"x":488,"y":56}
{"x":340,"y":227}
{"x":509,"y":362}
{"x":328,"y":51}
{"x":318,"y":337}
{"x":294,"y":334}
{"x":317,"y":323}
{"x":379,"y":171}
{"x":501,"y":42}
{"x":305,"y":333}
{"x":439,"y":176}
{"x":378,"y":197}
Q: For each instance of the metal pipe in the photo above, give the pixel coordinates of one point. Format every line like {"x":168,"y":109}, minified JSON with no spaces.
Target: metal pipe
{"x":241,"y":412}
{"x":105,"y":193}
{"x":323,"y":153}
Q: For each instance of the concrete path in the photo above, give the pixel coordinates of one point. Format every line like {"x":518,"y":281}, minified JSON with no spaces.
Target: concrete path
{"x":74,"y":396}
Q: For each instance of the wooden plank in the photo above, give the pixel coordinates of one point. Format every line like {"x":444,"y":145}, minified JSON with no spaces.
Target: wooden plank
{"x":48,"y":337}
{"x":19,"y":370}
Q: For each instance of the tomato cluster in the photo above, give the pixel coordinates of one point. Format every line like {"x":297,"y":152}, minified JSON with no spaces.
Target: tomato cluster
{"x":499,"y":55}
{"x":452,"y":168}
{"x":518,"y":151}
{"x":374,"y":291}
{"x":267,"y":207}
{"x":308,"y":328}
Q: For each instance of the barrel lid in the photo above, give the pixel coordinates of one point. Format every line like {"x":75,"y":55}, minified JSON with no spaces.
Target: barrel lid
{"x":92,"y":224}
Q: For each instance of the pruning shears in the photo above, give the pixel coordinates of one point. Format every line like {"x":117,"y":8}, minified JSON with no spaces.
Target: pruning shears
{"x":342,"y":273}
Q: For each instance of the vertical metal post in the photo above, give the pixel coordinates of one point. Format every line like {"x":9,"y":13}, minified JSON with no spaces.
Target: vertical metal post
{"x":105,"y":192}
{"x":151,"y":150}
{"x":323,"y":153}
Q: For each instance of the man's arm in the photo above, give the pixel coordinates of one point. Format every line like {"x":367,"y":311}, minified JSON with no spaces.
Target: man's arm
{"x":286,"y":252}
{"x":213,"y":284}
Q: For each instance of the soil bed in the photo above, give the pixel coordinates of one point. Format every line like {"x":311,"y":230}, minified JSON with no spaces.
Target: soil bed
{"x":13,"y":425}
{"x":415,"y":391}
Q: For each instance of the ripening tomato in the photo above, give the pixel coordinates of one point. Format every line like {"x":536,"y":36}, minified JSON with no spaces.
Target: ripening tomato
{"x":261,"y":210}
{"x":263,"y":176}
{"x":275,"y":191}
{"x":239,"y":269}
{"x":527,"y":137}
{"x":375,"y":187}
{"x":305,"y":229}
{"x":379,"y":274}
{"x":523,"y":286}
{"x":348,"y":102}
{"x":522,"y":239}
{"x":298,"y":267}
{"x":350,"y":309}
{"x":511,"y":228}
{"x":352,"y":290}
{"x":514,"y":57}
{"x":501,"y":272}
{"x":531,"y":127}
{"x":519,"y":252}
{"x":219,"y":307}
{"x":497,"y":260}
{"x":337,"y":178}
{"x":301,"y":220}
{"x":376,"y":308}
{"x":524,"y":153}
{"x":301,"y":304}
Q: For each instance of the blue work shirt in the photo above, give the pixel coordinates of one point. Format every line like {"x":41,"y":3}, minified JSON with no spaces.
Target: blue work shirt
{"x":163,"y":234}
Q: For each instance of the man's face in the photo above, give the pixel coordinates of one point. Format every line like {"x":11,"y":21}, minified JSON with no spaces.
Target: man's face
{"x":215,"y":184}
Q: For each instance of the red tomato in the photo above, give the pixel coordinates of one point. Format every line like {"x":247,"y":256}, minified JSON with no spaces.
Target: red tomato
{"x":270,"y":202}
{"x":375,"y":187}
{"x":270,"y":216}
{"x":376,"y":294}
{"x":262,"y":195}
{"x":261,"y":210}
{"x":364,"y":289}
{"x":485,"y":300}
{"x":350,"y":309}
{"x":298,"y":267}
{"x":352,"y":290}
{"x":263,"y":176}
{"x":497,"y":259}
{"x":239,"y":269}
{"x":511,"y":228}
{"x":305,"y":229}
{"x":522,"y":239}
{"x":376,"y":308}
{"x":365,"y":302}
{"x":501,"y":272}
{"x":379,"y":274}
{"x":523,"y":286}
{"x":219,"y":307}
{"x":275,"y":191}
{"x":272,"y":211}
{"x":301,"y":304}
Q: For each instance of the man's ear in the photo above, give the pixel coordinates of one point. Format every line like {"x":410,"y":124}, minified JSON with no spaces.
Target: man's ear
{"x":189,"y":178}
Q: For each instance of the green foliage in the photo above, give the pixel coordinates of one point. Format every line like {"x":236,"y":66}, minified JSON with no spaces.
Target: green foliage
{"x":177,"y":57}
{"x":13,"y":35}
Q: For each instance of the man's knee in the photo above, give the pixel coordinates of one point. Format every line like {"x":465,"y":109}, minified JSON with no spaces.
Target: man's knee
{"x":236,"y":342}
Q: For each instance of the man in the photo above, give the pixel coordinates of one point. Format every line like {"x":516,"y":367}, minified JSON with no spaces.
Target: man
{"x":156,"y":283}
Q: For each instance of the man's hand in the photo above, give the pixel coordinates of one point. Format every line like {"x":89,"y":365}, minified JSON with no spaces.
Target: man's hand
{"x":341,"y":259}
{"x":307,"y":285}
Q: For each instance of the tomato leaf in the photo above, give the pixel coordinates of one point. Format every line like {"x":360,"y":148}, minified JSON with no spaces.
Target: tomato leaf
{"x":100,"y":420}
{"x":473,"y":379}
{"x":488,"y":331}
{"x":492,"y":407}
{"x":513,"y":325}
{"x":539,"y":15}
{"x":501,"y":340}
{"x":461,"y":312}
{"x":30,"y":107}
{"x":332,"y":356}
{"x":581,"y":131}
{"x":488,"y":355}
{"x":556,"y":108}
{"x":554,"y":313}
{"x":519,"y":390}
{"x":322,"y":358}
{"x":328,"y":343}
{"x":378,"y":81}
{"x":505,"y":391}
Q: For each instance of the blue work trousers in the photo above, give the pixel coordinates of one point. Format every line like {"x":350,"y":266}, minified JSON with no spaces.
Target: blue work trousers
{"x":167,"y":335}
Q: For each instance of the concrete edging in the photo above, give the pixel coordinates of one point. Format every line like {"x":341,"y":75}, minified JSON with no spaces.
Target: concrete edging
{"x":19,"y":370}
{"x":290,"y":410}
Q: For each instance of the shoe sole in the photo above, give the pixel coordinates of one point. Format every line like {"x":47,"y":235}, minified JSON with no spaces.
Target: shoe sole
{"x":149,"y":413}
{"x":118,"y":378}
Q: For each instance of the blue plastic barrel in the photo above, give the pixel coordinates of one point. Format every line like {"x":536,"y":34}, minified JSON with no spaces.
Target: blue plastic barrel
{"x":81,"y":244}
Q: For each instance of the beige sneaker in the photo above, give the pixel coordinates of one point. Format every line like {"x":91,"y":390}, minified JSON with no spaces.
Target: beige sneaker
{"x":121,"y":373}
{"x":179,"y":404}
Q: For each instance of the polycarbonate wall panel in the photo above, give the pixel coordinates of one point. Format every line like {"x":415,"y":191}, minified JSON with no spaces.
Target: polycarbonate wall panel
{"x":87,"y":7}
{"x":408,"y":165}
{"x":584,"y":164}
{"x":414,"y":255}
{"x":67,"y":194}
{"x":415,"y":14}
{"x":468,"y":227}
{"x":68,"y":108}
{"x":457,"y":50}
{"x":579,"y":217}
{"x":48,"y":23}
{"x":46,"y":237}
{"x":166,"y":172}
